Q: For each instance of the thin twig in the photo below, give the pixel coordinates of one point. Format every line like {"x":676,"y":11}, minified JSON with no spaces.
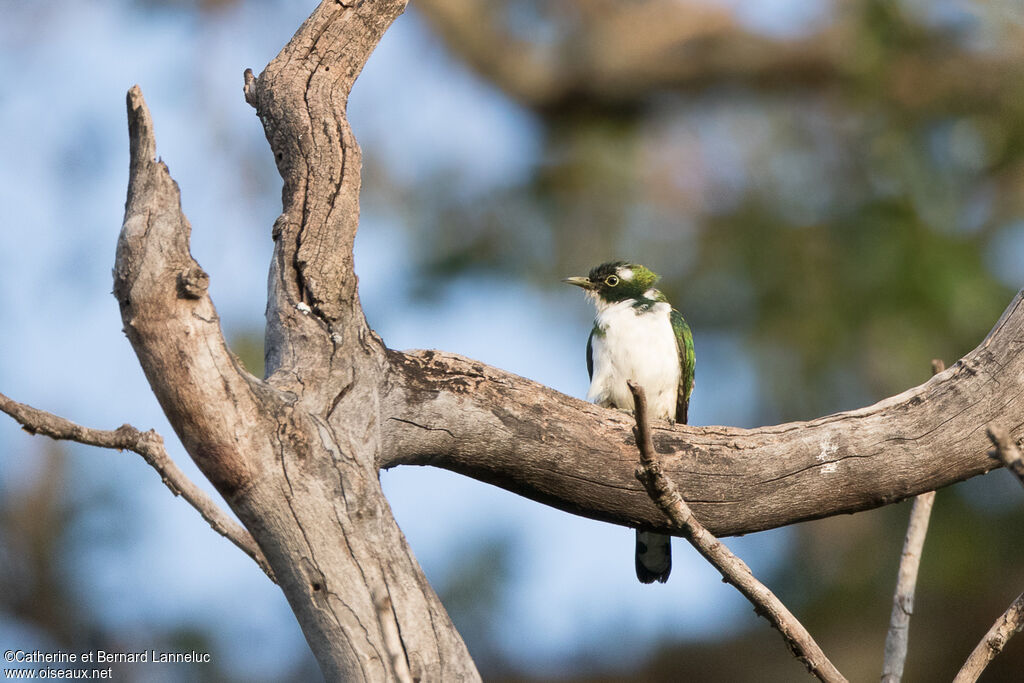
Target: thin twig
{"x":665,"y":495}
{"x":897,"y":638}
{"x":903,"y":599}
{"x":993,"y":643}
{"x":392,"y":639}
{"x":150,"y":446}
{"x":1006,"y":451}
{"x":1012,"y":620}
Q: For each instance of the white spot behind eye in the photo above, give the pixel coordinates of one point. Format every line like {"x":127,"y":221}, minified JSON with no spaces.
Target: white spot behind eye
{"x":625,"y":273}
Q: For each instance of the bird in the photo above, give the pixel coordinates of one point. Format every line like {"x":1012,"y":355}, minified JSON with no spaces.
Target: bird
{"x":638,"y":336}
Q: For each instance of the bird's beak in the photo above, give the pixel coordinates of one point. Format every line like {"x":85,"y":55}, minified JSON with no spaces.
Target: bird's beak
{"x":583,"y":282}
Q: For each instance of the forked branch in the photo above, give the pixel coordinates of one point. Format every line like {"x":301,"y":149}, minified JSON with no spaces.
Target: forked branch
{"x":665,"y":495}
{"x":1006,"y":451}
{"x":1012,"y":620}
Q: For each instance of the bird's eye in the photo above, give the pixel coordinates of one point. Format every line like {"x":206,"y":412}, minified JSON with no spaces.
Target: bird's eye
{"x":611,"y":280}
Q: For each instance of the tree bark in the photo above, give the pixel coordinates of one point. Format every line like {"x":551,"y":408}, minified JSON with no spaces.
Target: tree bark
{"x":455,"y":413}
{"x":297,"y":455}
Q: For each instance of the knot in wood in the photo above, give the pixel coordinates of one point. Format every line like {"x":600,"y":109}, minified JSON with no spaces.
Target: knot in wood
{"x":906,"y":604}
{"x":997,"y":642}
{"x":128,"y":435}
{"x":193,"y":282}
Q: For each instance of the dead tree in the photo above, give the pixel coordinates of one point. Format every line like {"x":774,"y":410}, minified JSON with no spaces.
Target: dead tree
{"x":297,"y":454}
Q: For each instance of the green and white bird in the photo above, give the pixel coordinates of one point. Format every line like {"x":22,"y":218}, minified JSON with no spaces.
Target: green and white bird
{"x":638,"y":336}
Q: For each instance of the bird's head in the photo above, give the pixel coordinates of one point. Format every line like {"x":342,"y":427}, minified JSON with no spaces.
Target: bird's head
{"x":616,"y":281}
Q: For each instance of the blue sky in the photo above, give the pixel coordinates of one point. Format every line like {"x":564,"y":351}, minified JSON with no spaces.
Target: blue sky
{"x":63,"y":171}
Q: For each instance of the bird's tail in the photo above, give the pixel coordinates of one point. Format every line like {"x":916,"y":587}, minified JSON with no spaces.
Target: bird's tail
{"x":653,"y":556}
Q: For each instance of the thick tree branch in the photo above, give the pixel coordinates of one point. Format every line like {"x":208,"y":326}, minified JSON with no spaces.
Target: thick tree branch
{"x":1006,"y":451}
{"x":733,"y":570}
{"x":451,"y":412}
{"x":295,"y":456}
{"x":301,"y":98}
{"x":897,"y":638}
{"x":150,"y":446}
{"x":392,"y":640}
{"x":172,"y":324}
{"x":1011,"y":622}
{"x":322,"y":354}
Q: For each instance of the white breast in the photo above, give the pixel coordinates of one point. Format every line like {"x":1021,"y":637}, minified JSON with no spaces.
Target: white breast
{"x":640,"y":346}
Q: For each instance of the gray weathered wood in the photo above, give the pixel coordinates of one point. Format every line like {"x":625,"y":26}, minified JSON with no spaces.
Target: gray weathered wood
{"x":452,"y":412}
{"x":897,"y":638}
{"x":295,"y":456}
{"x":992,"y":643}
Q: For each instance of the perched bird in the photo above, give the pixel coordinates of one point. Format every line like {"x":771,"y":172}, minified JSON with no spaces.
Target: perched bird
{"x":638,"y":336}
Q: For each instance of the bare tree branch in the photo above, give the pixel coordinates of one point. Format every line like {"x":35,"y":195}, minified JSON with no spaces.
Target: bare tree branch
{"x":1012,"y":620}
{"x":993,"y":643}
{"x":172,"y":324}
{"x":897,"y":638}
{"x":150,"y":446}
{"x":733,"y":570}
{"x":296,"y":455}
{"x":903,"y":600}
{"x":448,"y":411}
{"x":325,"y":366}
{"x":1006,"y":451}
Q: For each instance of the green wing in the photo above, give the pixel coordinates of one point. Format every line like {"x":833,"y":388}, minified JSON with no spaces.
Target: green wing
{"x":687,"y":361}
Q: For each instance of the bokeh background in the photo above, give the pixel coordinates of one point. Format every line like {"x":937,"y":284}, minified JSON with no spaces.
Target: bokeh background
{"x":833,"y":191}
